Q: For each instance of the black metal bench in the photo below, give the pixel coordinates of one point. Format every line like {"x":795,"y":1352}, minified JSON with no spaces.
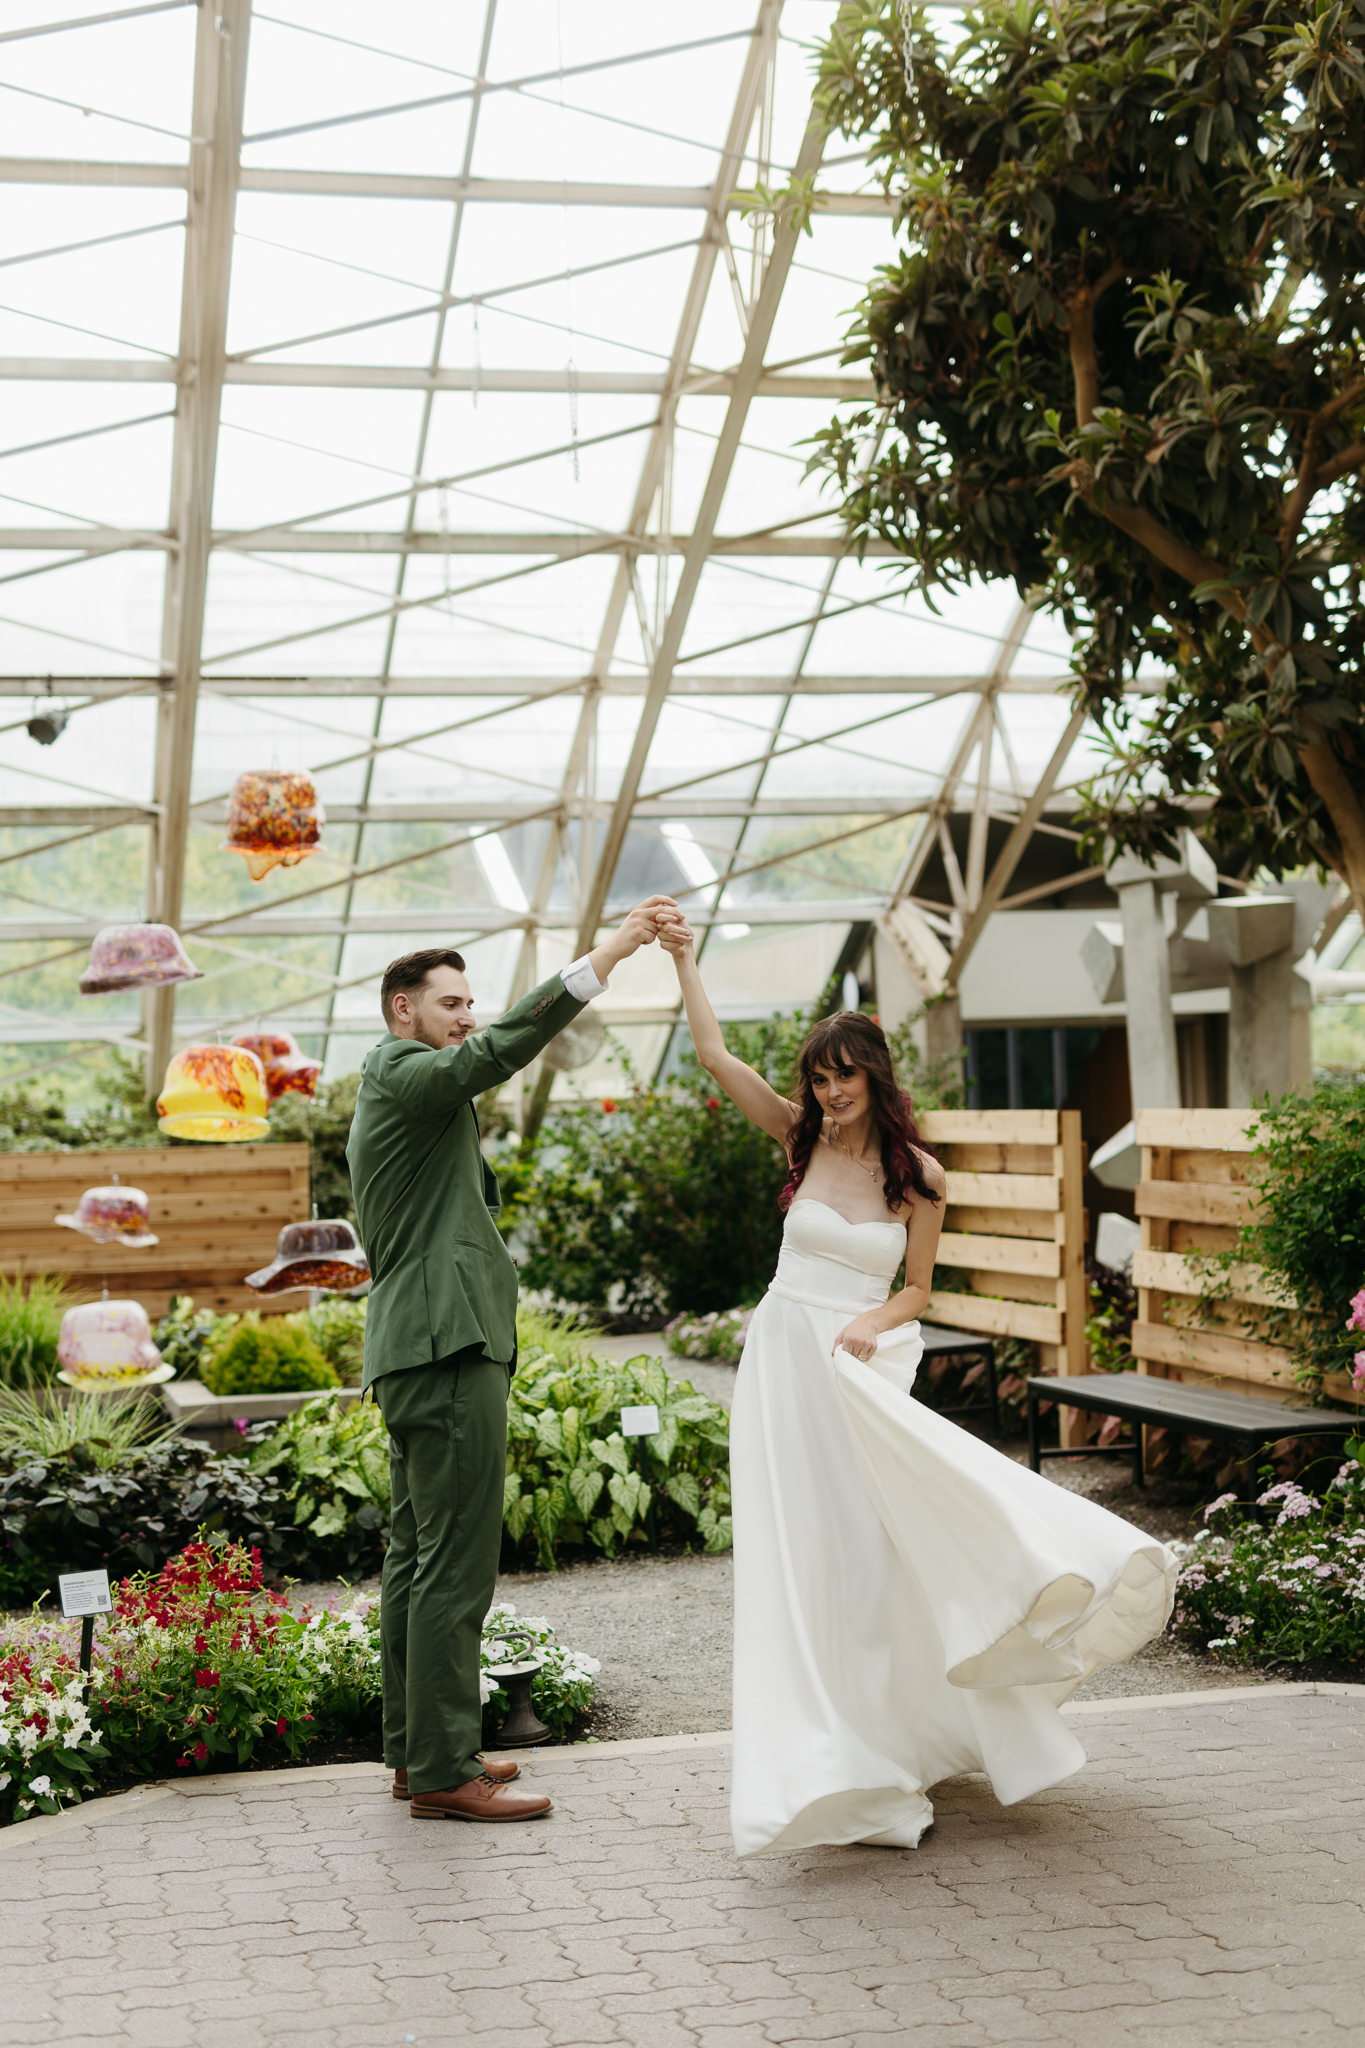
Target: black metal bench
{"x":939,"y":1343}
{"x":1139,"y":1398}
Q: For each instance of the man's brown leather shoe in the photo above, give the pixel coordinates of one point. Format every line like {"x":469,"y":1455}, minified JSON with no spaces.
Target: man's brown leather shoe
{"x":500,"y":1768}
{"x":481,"y":1799}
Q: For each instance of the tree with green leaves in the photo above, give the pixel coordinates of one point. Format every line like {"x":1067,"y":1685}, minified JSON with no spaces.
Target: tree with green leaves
{"x":1120,"y":362}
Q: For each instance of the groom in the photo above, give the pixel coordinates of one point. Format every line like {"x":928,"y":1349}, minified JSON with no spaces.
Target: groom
{"x":440,"y":1347}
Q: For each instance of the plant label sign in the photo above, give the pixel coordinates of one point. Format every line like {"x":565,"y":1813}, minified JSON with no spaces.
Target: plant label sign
{"x":642,"y":1421}
{"x":84,"y":1593}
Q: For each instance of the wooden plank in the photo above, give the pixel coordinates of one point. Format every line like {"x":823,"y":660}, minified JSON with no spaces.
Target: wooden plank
{"x":1223,"y":1167}
{"x":123,"y":1268}
{"x":1192,"y":1201}
{"x":132,"y":1164}
{"x":1005,"y":1190}
{"x":1073,"y":1248}
{"x":1000,"y":1254}
{"x":1232,"y":1356}
{"x":1217,"y":1130}
{"x":1001,"y":1158}
{"x":1011,"y":1223}
{"x":990,"y":1126}
{"x":1019,"y":1287}
{"x":995,"y":1318}
{"x":1168,"y":1270}
{"x":207,"y":1209}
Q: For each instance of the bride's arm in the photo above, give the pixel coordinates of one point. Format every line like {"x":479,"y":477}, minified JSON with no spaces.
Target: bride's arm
{"x":921,"y":1244}
{"x":746,"y":1089}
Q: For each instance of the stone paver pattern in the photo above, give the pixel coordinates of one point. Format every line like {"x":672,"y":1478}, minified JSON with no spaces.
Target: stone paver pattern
{"x":1199,"y":1883}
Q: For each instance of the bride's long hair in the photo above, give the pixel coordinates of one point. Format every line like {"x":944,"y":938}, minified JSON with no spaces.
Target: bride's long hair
{"x":852,"y":1040}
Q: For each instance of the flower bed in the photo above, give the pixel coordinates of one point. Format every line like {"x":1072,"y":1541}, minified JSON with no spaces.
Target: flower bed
{"x":718,"y":1335}
{"x":201,"y":1666}
{"x":1283,"y":1588}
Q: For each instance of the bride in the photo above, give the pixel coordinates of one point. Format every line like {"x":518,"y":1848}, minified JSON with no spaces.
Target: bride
{"x":909,"y":1604}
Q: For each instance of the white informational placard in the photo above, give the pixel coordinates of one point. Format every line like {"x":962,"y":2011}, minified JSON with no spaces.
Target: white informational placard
{"x":85,"y":1593}
{"x":642,"y":1421}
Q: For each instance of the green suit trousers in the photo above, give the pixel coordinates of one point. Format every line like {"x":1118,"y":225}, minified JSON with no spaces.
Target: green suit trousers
{"x":447,"y":1428}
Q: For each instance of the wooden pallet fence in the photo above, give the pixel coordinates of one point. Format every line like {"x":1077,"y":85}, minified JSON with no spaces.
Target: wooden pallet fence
{"x":217,"y":1210}
{"x":1195,"y":1190}
{"x":1015,"y":1225}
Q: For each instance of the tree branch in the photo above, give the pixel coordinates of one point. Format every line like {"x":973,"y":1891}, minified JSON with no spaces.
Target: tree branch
{"x":1309,"y":480}
{"x":1085,"y":365}
{"x":1340,"y":465}
{"x":1329,"y":778}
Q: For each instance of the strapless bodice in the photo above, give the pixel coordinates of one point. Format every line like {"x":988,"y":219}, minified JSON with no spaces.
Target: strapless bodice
{"x":832,"y":1263}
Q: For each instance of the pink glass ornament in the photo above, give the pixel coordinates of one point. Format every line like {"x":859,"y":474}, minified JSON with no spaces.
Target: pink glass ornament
{"x":287,"y":1069}
{"x":136,"y":956}
{"x":108,"y":1340}
{"x":113,"y":1215}
{"x":274,"y":819}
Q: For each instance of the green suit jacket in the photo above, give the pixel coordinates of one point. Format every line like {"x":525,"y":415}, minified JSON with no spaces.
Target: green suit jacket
{"x":425,"y":1196}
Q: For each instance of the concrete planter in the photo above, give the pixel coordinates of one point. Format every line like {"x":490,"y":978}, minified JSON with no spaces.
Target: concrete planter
{"x":189,"y":1402}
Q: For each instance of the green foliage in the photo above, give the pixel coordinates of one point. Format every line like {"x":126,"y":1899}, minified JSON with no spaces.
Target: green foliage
{"x":323,"y":1123}
{"x":718,"y":1335}
{"x":1109,"y":1326}
{"x":186,"y":1333}
{"x":1286,"y":1588}
{"x":272,"y":1357}
{"x":332,"y":1463}
{"x":1306,"y":1230}
{"x":68,"y":1512}
{"x":337,"y":1327}
{"x":572,"y":1478}
{"x":563,"y":1688}
{"x":1120,"y":358}
{"x":31,"y":1309}
{"x":107,"y":1425}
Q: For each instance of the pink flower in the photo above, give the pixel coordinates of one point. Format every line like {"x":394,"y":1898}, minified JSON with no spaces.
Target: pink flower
{"x":1356,"y":1319}
{"x":1358,"y":1373}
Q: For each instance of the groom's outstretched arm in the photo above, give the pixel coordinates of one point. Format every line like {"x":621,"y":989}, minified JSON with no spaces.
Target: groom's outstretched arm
{"x":430,"y":1082}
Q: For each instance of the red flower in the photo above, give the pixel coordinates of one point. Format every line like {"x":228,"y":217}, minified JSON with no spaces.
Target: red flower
{"x":713,"y":1102}
{"x":201,"y":1751}
{"x":281,"y":1725}
{"x":608,"y":1105}
{"x":182,"y":1763}
{"x":207,"y":1678}
{"x":201,"y":1646}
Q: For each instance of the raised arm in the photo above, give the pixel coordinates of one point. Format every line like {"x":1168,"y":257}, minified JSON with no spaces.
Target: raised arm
{"x":746,"y":1089}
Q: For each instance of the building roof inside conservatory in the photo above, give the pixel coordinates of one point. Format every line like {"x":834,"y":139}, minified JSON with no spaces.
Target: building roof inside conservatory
{"x":401,"y":396}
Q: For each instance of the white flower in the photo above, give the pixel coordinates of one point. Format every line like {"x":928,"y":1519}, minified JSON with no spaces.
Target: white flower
{"x":485,"y":1689}
{"x":4,"y":1780}
{"x":72,"y":1738}
{"x":42,"y":1786}
{"x":24,"y":1805}
{"x":28,"y":1740}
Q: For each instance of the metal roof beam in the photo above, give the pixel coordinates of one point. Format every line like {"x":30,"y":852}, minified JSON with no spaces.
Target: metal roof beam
{"x":220,"y":58}
{"x":512,"y":685}
{"x":412,"y":377}
{"x":443,"y":918}
{"x":303,"y":541}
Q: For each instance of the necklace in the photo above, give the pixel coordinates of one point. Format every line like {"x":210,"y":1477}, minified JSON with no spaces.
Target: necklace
{"x":870,"y":1171}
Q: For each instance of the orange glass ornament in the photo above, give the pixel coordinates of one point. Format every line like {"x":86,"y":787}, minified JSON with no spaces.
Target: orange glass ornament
{"x":324,"y":1253}
{"x":274,"y":819}
{"x":215,"y":1092}
{"x":287,"y":1069}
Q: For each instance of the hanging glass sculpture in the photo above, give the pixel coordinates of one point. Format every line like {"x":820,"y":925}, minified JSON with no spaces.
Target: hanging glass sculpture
{"x":108,"y":1341}
{"x":113,"y":1215}
{"x":215,"y":1092}
{"x":274,"y":819}
{"x":318,"y":1254}
{"x":287,"y":1069}
{"x":136,"y":956}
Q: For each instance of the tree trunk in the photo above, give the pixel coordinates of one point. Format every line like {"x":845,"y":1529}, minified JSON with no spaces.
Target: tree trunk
{"x":1329,"y":777}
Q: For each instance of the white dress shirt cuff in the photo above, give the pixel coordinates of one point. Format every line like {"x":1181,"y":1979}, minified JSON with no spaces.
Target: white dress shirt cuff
{"x":580,"y":979}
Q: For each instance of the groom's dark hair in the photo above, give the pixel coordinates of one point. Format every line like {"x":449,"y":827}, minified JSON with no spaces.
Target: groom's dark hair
{"x":411,"y":972}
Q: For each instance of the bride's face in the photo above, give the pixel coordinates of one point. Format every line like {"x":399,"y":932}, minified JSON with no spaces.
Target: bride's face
{"x":841,"y":1092}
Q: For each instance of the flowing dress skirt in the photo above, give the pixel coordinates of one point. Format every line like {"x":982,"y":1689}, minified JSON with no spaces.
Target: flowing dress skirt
{"x":909,"y":1604}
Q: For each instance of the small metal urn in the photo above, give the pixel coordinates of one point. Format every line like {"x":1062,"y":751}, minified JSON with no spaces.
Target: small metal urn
{"x":522,"y":1728}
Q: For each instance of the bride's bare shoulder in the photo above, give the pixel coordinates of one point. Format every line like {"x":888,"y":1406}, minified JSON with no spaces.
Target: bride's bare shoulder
{"x":935,"y":1179}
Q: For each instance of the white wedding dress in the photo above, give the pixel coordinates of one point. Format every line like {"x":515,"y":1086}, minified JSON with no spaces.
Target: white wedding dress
{"x":908,"y":1603}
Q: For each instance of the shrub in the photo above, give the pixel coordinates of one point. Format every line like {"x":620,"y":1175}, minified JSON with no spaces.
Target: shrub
{"x":719,"y":1335}
{"x":1109,"y":1326}
{"x":333,"y":1466}
{"x":572,"y":1478}
{"x":31,"y":1310}
{"x":1306,"y":1231}
{"x":186,"y":1333}
{"x":1286,"y":1589}
{"x":273,"y":1357}
{"x":200,"y":1664}
{"x":66,"y":1513}
{"x":337,"y":1327}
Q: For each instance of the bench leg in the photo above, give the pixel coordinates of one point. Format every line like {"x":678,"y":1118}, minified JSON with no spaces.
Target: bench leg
{"x":994,"y":1386}
{"x":1139,"y":1475}
{"x":1034,"y":1446}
